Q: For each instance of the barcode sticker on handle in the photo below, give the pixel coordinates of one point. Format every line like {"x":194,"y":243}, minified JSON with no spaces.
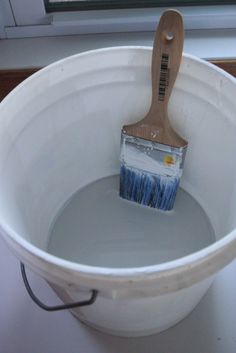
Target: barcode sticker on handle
{"x":163,"y":83}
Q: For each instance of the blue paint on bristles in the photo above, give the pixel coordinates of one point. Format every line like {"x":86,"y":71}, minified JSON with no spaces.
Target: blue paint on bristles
{"x":150,"y":172}
{"x":157,"y":191}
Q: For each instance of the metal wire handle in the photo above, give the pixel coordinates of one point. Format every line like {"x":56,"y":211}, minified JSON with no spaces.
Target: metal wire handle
{"x":57,"y":307}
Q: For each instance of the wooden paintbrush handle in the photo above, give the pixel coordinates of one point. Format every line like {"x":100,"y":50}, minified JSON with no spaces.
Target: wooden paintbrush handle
{"x":166,"y":58}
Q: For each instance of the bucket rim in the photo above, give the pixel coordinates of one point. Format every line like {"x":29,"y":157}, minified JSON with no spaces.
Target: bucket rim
{"x":174,"y":267}
{"x":147,"y":48}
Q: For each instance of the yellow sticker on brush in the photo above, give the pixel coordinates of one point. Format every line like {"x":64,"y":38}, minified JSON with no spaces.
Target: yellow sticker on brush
{"x":168,"y":160}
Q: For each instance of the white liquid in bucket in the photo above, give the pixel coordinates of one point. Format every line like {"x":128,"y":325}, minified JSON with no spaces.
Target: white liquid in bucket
{"x":96,"y":227}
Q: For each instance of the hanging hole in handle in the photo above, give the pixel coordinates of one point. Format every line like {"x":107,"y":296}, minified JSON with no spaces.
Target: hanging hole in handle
{"x":169,"y":36}
{"x":43,"y":306}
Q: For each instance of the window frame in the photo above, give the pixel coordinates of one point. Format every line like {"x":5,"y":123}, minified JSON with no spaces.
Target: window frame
{"x":36,"y":22}
{"x":6,"y":17}
{"x":63,"y":6}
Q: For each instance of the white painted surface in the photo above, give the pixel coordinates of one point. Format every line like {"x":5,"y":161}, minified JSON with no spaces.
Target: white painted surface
{"x":53,"y":150}
{"x":29,"y":12}
{"x":7,"y":18}
{"x":32,"y":20}
{"x":39,"y":52}
{"x":136,"y":19}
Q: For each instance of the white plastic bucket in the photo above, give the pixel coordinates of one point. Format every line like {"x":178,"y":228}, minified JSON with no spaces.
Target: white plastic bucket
{"x":48,"y":150}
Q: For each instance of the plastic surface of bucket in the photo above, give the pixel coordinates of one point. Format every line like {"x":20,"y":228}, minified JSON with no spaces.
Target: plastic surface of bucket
{"x":83,"y":101}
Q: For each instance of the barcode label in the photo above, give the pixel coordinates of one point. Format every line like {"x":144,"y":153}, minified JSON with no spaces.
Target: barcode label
{"x":163,"y":83}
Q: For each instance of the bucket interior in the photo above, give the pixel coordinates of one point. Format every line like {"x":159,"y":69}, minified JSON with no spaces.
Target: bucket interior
{"x":60,"y":131}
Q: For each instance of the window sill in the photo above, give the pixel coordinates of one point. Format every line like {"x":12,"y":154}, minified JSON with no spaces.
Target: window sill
{"x":38,"y":52}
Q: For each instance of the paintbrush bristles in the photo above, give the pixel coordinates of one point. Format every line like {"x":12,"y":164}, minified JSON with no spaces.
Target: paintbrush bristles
{"x":148,"y":189}
{"x":150,"y":172}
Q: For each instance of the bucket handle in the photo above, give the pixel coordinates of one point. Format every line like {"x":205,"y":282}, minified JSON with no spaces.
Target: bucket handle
{"x":90,"y":301}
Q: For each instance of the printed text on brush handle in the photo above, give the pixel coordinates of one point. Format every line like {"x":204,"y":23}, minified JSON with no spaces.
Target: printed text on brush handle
{"x":164,"y":74}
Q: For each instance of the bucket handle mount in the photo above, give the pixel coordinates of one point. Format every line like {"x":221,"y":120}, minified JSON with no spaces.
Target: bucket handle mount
{"x":43,"y":306}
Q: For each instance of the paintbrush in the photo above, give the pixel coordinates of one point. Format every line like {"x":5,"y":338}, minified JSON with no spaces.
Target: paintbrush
{"x":152,"y":153}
